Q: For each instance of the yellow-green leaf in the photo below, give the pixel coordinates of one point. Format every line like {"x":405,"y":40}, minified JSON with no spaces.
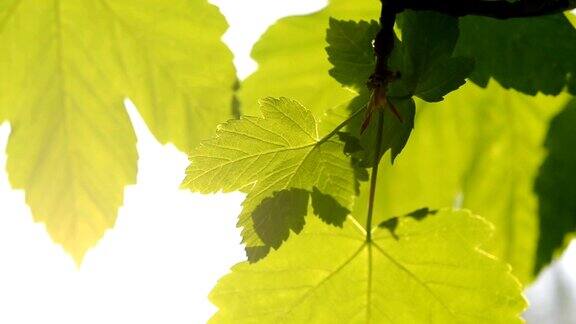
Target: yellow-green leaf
{"x":431,"y":270}
{"x":278,"y":159}
{"x":67,"y":66}
{"x":479,"y":149}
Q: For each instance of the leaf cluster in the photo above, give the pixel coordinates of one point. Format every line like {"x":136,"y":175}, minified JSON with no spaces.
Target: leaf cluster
{"x":357,"y":196}
{"x":479,"y":149}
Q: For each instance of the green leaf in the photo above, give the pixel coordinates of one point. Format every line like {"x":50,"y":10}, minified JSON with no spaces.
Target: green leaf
{"x":556,"y":187}
{"x":428,"y":37}
{"x":268,"y":157}
{"x":351,"y":52}
{"x":395,"y":133}
{"x":424,"y":58}
{"x":66,"y":68}
{"x":481,"y":149}
{"x":433,"y":271}
{"x":292,"y":60}
{"x":529,"y":54}
{"x":443,"y":78}
{"x":428,"y":69}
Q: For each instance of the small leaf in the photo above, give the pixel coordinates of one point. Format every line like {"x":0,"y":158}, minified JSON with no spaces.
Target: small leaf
{"x":292,"y":61}
{"x":435,"y":272}
{"x":267,"y":156}
{"x":424,"y":58}
{"x":351,"y":52}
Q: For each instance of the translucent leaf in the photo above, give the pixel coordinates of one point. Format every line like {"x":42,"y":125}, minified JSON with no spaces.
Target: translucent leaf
{"x":480,"y":149}
{"x":66,"y":68}
{"x":292,"y":60}
{"x":268,"y":157}
{"x":431,"y":270}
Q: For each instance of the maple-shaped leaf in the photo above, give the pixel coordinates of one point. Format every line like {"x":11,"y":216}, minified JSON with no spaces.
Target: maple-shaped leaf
{"x":429,"y":68}
{"x":278,"y":159}
{"x":292,"y":61}
{"x":350,"y":51}
{"x":426,"y":270}
{"x":66,"y":68}
{"x":479,"y":149}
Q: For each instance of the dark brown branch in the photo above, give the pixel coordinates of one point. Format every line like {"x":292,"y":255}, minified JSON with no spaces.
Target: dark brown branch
{"x":384,"y":44}
{"x":500,"y":9}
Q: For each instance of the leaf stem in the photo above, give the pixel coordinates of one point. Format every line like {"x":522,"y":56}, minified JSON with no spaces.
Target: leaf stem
{"x":374,"y":175}
{"x":341,"y":125}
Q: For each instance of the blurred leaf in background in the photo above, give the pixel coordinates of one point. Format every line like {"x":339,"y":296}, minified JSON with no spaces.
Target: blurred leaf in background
{"x":556,"y":187}
{"x":429,"y":270}
{"x":293,"y":63}
{"x":66,"y":68}
{"x":479,"y":149}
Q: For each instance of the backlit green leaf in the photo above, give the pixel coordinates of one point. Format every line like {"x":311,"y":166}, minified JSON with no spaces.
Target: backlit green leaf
{"x":430,"y":271}
{"x":479,"y":149}
{"x":66,"y":68}
{"x":269,"y":158}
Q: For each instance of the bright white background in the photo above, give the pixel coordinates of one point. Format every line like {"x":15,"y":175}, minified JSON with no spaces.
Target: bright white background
{"x":168,"y":247}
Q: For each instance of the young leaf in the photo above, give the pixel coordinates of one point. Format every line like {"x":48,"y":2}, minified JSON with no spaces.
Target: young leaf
{"x":530,"y":55}
{"x":351,"y":52}
{"x":66,"y":68}
{"x":292,"y":61}
{"x":480,"y":149}
{"x":556,"y":187}
{"x":424,"y":58}
{"x":433,"y":271}
{"x":268,"y":158}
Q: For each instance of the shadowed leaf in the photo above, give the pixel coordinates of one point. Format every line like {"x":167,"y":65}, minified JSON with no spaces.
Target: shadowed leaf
{"x":556,"y":187}
{"x":527,"y":54}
